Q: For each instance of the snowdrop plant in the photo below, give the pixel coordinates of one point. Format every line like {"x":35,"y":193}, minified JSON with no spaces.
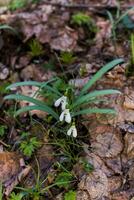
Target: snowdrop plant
{"x":67,"y":105}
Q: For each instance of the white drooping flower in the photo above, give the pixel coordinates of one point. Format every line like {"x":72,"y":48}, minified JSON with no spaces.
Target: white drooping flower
{"x":65,"y":115}
{"x":61,"y":101}
{"x":72,"y":131}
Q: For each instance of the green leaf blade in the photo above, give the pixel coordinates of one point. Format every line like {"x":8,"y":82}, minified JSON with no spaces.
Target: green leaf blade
{"x":85,"y":98}
{"x":99,"y":74}
{"x":41,"y":104}
{"x":95,"y":110}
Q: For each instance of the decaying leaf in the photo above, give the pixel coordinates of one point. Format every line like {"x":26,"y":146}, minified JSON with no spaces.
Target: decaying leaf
{"x":95,"y":184}
{"x":66,"y":40}
{"x":107,"y":144}
{"x":129,"y":145}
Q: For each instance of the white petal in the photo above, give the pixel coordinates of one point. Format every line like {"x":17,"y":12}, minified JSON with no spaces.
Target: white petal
{"x":57,"y":102}
{"x":74,"y":132}
{"x":69,"y":132}
{"x":61,"y":118}
{"x":67,"y":116}
{"x":63,"y":105}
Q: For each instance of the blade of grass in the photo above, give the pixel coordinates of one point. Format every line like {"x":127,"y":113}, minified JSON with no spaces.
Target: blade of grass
{"x":99,"y":74}
{"x":84,"y":99}
{"x":32,"y":83}
{"x":34,"y":101}
{"x":94,"y":110}
{"x":5,"y":26}
{"x":30,"y":108}
{"x":37,"y":84}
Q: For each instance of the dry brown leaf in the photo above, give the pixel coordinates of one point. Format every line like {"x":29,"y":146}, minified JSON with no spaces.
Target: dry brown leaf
{"x":95,"y":184}
{"x":107,"y":144}
{"x":120,"y":196}
{"x":129,"y":145}
{"x":114,"y":183}
{"x":82,"y":195}
{"x":98,"y":163}
{"x":13,"y":169}
{"x":129,"y":100}
{"x":66,"y":40}
{"x":36,"y":73}
{"x":114,"y":164}
{"x":104,"y":32}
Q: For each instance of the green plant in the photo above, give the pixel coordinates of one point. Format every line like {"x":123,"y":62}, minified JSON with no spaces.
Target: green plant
{"x":130,"y":67}
{"x":80,"y":19}
{"x":39,"y":189}
{"x":72,"y":104}
{"x":117,"y":19}
{"x":36,"y":48}
{"x":17,"y":4}
{"x":70,"y":195}
{"x":28,"y":147}
{"x":87,"y":166}
{"x":132,"y":49}
{"x":18,"y":196}
{"x":84,"y":20}
{"x":67,"y":57}
{"x":2,"y":130}
{"x":63,"y":179}
{"x":1,"y":191}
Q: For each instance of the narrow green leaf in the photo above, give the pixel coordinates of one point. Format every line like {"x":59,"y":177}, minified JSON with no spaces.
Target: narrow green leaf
{"x":29,"y":108}
{"x":86,"y":98}
{"x":5,"y":26}
{"x":32,"y":83}
{"x":34,"y":101}
{"x":94,"y":110}
{"x":52,"y":89}
{"x":99,"y":74}
{"x":37,"y":84}
{"x":24,"y":83}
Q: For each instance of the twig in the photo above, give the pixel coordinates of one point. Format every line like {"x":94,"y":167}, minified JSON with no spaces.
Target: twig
{"x":4,"y":144}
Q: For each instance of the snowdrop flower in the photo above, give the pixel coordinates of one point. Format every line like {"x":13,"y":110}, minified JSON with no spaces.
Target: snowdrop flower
{"x":65,"y":114}
{"x":63,"y":101}
{"x":72,"y":131}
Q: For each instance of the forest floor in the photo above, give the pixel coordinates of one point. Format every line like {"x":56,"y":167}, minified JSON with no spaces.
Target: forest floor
{"x":69,"y":40}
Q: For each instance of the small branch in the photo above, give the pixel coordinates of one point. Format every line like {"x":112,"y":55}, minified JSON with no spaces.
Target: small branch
{"x":4,"y":144}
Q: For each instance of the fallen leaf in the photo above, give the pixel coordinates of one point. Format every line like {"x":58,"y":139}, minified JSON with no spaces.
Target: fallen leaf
{"x":66,"y":40}
{"x":96,"y":185}
{"x":108,"y":144}
{"x":129,"y":145}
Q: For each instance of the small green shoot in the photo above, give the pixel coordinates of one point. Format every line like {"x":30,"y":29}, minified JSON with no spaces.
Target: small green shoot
{"x":63,"y":180}
{"x":117,"y":19}
{"x":18,"y":196}
{"x":17,"y":4}
{"x":132,"y":49}
{"x":80,"y":19}
{"x":87,"y":166}
{"x":28,"y":147}
{"x":36,"y":48}
{"x":84,"y":20}
{"x":2,"y":130}
{"x":67,"y":57}
{"x":130,"y":67}
{"x":1,"y":191}
{"x":70,"y":195}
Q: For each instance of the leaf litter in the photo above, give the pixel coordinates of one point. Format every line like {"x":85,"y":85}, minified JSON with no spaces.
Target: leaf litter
{"x":109,"y":146}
